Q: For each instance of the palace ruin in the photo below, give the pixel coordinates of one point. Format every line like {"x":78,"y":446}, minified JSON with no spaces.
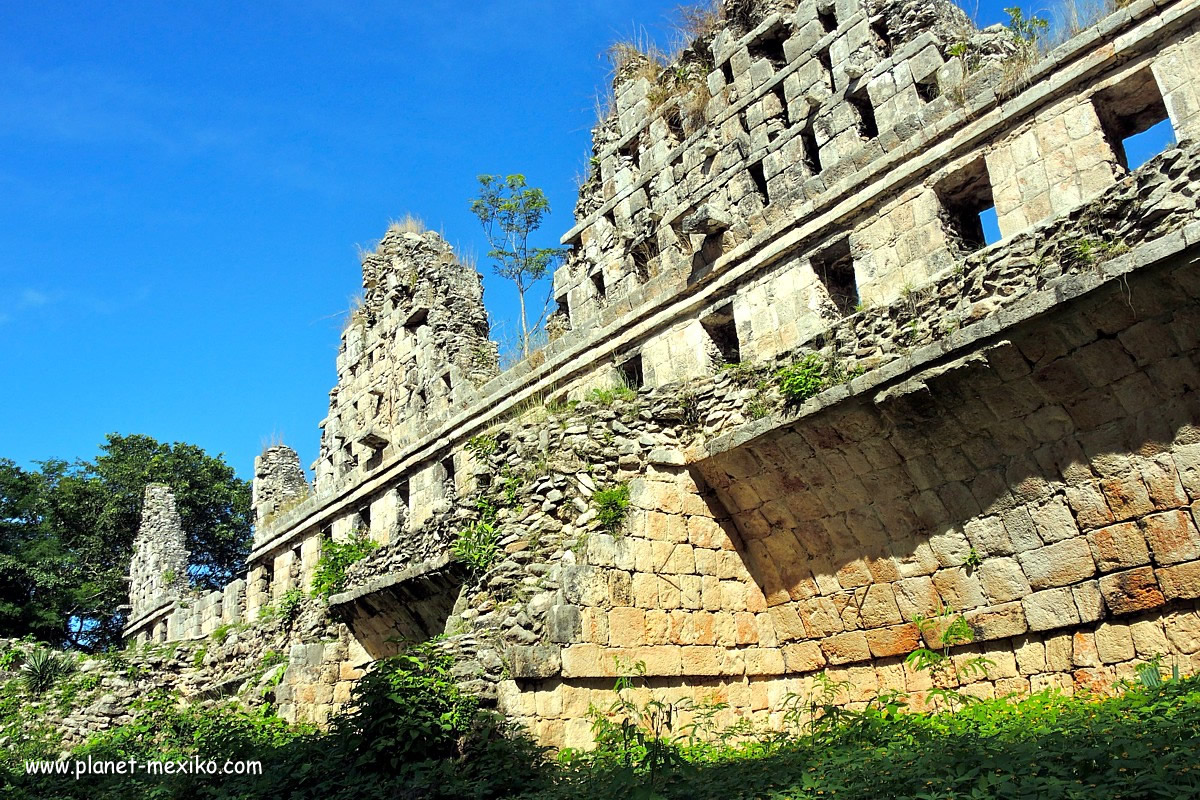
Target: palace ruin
{"x":1009,"y":429}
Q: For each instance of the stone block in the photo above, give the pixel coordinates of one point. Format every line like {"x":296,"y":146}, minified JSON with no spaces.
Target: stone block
{"x":563,"y":623}
{"x":1058,"y":564}
{"x":893,"y":641}
{"x":538,"y":661}
{"x":1052,"y":608}
{"x":1172,"y":537}
{"x":1131,"y":591}
{"x":1181,"y":581}
{"x":1114,"y":643}
{"x":1119,"y":547}
{"x":803,"y":657}
{"x":846,"y":648}
{"x":1003,"y":580}
{"x":997,"y":622}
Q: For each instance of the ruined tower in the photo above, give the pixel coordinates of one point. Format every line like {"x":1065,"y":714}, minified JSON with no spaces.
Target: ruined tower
{"x":158,"y":571}
{"x":279,"y":483}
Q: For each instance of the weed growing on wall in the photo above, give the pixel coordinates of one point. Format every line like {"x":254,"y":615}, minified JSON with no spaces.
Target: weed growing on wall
{"x":329,"y":577}
{"x":477,"y":545}
{"x":612,"y":506}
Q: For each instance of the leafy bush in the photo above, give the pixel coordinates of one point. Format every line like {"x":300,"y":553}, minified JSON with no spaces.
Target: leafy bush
{"x":606,"y":397}
{"x":477,"y":545}
{"x":42,"y":668}
{"x":336,"y":557}
{"x":482,"y":445}
{"x":612,"y":506}
{"x":803,"y":379}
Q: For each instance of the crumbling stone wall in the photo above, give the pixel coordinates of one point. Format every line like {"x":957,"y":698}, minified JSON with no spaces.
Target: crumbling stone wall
{"x":279,"y":483}
{"x":158,"y":572}
{"x":1010,"y":433}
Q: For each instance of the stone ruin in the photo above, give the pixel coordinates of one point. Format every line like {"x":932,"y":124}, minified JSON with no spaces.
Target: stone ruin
{"x":158,"y":573}
{"x":1008,"y":429}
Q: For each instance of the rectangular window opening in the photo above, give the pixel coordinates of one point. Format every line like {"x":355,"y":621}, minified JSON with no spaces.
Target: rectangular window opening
{"x":448,"y":382}
{"x":364,"y":517}
{"x":812,"y":152}
{"x":722,"y":332}
{"x":727,"y":72}
{"x":448,"y":474}
{"x":630,"y":373}
{"x":598,"y":284}
{"x":828,"y":19}
{"x":928,"y":89}
{"x":834,"y":267}
{"x":1134,"y":119}
{"x":631,"y":151}
{"x":969,"y":212}
{"x":861,"y":103}
{"x":760,"y":182}
{"x":827,"y":66}
{"x":783,"y":103}
{"x":674,"y":120}
{"x":770,"y":47}
{"x":643,"y":253}
{"x":883,"y":39}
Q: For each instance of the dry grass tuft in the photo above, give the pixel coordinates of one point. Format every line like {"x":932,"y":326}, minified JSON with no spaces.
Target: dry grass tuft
{"x":408,"y":224}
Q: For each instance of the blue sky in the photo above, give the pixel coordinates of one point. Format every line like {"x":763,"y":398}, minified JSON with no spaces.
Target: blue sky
{"x":183,"y":187}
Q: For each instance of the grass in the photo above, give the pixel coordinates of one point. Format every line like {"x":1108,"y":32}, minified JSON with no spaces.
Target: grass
{"x":407,"y":224}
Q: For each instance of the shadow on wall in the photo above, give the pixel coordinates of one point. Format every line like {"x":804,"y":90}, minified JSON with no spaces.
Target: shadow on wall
{"x":1069,"y":449}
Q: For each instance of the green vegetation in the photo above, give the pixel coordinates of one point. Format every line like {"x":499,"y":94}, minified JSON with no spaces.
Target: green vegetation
{"x":811,"y":375}
{"x":612,"y":506}
{"x":329,"y":577}
{"x":477,"y":545}
{"x":42,"y":668}
{"x":510,"y":212}
{"x":606,"y":397}
{"x":414,"y":734}
{"x":66,"y":535}
{"x":482,"y":445}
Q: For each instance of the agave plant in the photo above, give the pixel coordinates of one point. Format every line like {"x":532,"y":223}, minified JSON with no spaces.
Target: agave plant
{"x":42,"y":668}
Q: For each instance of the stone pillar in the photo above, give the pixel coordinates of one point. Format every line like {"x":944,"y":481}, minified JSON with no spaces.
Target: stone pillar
{"x":279,"y":483}
{"x":158,"y":569}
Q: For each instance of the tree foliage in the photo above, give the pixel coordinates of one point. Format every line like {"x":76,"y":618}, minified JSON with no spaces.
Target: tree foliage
{"x":510,"y":212}
{"x":67,"y":530}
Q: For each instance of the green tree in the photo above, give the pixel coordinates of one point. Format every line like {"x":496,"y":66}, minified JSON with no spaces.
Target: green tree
{"x":66,"y":534}
{"x":510,"y":211}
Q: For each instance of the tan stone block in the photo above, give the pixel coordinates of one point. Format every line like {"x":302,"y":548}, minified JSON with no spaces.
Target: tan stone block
{"x":1172,"y":537}
{"x":916,"y":597}
{"x":1083,"y":650}
{"x":1149,"y":639}
{"x":803,"y":657}
{"x":1054,"y":520}
{"x":1030,"y":654}
{"x":1051,"y":608}
{"x":627,"y":627}
{"x":1058,"y":652}
{"x":894,"y":641}
{"x":820,"y":616}
{"x":959,"y":588}
{"x":701,"y":660}
{"x":1180,"y":580}
{"x":787,"y":623}
{"x":1131,"y":591}
{"x":660,"y":660}
{"x":1114,"y":643}
{"x":348,"y":672}
{"x":989,"y":537}
{"x":998,"y":622}
{"x":681,"y":561}
{"x":1091,"y":509}
{"x":733,"y":596}
{"x":763,"y":661}
{"x":1003,"y":580}
{"x":1088,"y":601}
{"x":845,"y":648}
{"x":756,"y":601}
{"x":879,"y":607}
{"x":1183,"y":631}
{"x":668,"y":592}
{"x":710,"y":592}
{"x":645,"y":590}
{"x":689,"y":592}
{"x":1127,"y":496}
{"x":706,"y":532}
{"x":854,"y":573}
{"x":1119,"y":547}
{"x":588,"y":661}
{"x":548,"y":704}
{"x":1058,"y":564}
{"x":746,"y":627}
